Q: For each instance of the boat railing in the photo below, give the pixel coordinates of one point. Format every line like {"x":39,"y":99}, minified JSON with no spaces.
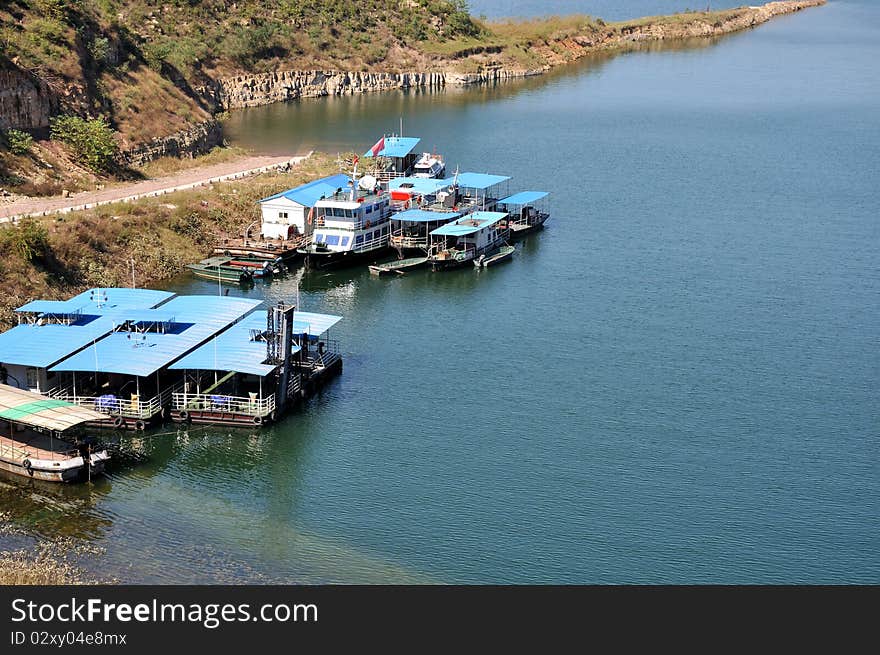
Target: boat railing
{"x":9,"y":450}
{"x":386,"y":176}
{"x":251,"y":405}
{"x":372,"y":243}
{"x":400,"y":239}
{"x":112,"y":405}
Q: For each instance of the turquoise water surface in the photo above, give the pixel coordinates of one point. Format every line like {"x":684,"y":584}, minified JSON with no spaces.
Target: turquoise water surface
{"x":676,"y":382}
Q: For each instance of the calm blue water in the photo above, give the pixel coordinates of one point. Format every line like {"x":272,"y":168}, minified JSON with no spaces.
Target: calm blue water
{"x":676,"y":382}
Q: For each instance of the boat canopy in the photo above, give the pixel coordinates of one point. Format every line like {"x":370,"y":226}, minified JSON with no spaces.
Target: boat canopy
{"x":395,"y":146}
{"x":422,"y":216}
{"x":98,"y":301}
{"x":235,"y":350}
{"x":313,"y":324}
{"x":308,"y":194}
{"x":197,"y":319}
{"x":480,"y":181}
{"x":38,"y":411}
{"x":469,"y":224}
{"x":422,"y":185}
{"x":42,"y":345}
{"x":523,"y":198}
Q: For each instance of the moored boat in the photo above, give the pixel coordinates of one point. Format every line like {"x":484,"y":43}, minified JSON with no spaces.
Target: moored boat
{"x":526,"y":216}
{"x":39,"y":438}
{"x":465,"y":239}
{"x":350,"y":226}
{"x":399,"y":267}
{"x":501,"y":254}
{"x":218,"y":269}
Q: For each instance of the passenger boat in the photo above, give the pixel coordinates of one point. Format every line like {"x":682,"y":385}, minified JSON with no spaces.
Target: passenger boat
{"x":501,"y":254}
{"x":218,"y":269}
{"x":40,"y":439}
{"x":525,"y":216}
{"x":399,"y":267}
{"x":411,"y":229}
{"x":430,"y":166}
{"x":350,"y":226}
{"x":465,"y":239}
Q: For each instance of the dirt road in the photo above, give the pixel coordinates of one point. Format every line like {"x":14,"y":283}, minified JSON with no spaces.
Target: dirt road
{"x":13,"y":211}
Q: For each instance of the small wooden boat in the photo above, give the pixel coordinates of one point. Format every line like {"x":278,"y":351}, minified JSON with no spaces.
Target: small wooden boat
{"x":503,"y":254}
{"x":399,"y":267}
{"x":218,"y":269}
{"x":40,"y":438}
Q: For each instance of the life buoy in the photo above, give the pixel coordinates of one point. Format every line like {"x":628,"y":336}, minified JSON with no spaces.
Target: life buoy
{"x":140,"y":425}
{"x":183,"y":415}
{"x":406,"y":205}
{"x":367,"y":224}
{"x":258,"y":420}
{"x":118,"y":421}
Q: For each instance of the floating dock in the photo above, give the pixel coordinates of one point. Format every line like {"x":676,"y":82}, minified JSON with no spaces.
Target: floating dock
{"x":135,"y":357}
{"x":256,"y":370}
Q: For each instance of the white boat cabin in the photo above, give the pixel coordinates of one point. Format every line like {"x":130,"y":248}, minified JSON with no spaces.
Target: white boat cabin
{"x":286,"y":215}
{"x":356,"y":222}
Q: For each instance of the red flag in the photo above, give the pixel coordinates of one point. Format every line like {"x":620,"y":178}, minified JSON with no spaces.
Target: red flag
{"x":379,"y":147}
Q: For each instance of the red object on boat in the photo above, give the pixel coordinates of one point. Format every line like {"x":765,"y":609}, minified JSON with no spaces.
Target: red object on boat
{"x":249,"y":264}
{"x":400,"y":195}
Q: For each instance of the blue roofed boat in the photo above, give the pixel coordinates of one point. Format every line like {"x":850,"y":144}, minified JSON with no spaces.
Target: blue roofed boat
{"x":402,"y":159}
{"x":411,"y":229}
{"x":252,"y":372}
{"x":467,"y":238}
{"x":525,"y":211}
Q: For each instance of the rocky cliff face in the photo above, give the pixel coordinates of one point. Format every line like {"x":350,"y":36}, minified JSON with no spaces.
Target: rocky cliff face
{"x":195,"y":140}
{"x":266,"y":88}
{"x":26,"y":102}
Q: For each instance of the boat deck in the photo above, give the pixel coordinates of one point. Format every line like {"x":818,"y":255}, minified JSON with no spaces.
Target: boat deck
{"x":36,"y":445}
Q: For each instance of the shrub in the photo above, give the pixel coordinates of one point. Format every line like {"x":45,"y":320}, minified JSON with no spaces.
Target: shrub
{"x":29,"y":239}
{"x":19,"y":142}
{"x":93,"y":141}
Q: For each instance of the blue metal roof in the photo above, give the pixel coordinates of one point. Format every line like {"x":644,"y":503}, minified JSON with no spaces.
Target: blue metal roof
{"x":425,"y":186}
{"x":313,"y":324}
{"x":422,"y":216}
{"x":197,"y":319}
{"x":396,"y":146}
{"x":469,"y":224}
{"x":101,"y":310}
{"x":308,"y":194}
{"x":233,"y":350}
{"x":41,"y":346}
{"x":99,"y":301}
{"x":524,"y":198}
{"x":480,"y":180}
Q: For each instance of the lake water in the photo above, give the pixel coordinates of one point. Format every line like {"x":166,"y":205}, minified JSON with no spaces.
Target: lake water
{"x":677,"y":381}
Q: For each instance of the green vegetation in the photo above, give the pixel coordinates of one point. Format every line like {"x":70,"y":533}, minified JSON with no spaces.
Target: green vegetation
{"x":29,"y":240}
{"x":93,"y":141}
{"x":20,"y":143}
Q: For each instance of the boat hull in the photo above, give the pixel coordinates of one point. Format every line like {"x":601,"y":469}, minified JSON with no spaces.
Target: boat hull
{"x":399,"y":267}
{"x":333,"y":259}
{"x":68,"y":474}
{"x":519,"y":231}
